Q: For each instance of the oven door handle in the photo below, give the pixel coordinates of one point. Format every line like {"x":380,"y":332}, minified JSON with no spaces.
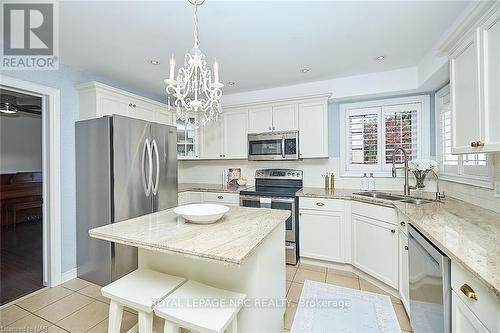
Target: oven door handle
{"x":283,"y":146}
{"x":253,"y":198}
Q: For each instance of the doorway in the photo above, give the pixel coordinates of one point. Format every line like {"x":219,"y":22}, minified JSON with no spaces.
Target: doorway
{"x":21,"y":188}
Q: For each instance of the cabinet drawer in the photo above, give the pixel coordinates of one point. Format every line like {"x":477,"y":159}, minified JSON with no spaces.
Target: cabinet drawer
{"x":224,"y":198}
{"x":487,"y":305}
{"x":334,"y":205}
{"x":373,"y":211}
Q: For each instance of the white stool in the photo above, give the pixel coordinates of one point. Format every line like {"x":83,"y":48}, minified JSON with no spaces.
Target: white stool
{"x":200,"y":314}
{"x":140,"y":291}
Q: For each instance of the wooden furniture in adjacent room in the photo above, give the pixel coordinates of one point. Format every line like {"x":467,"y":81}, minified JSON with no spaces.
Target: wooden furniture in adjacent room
{"x":20,"y":197}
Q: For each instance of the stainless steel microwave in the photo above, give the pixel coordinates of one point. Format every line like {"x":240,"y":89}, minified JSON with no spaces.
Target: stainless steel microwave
{"x":273,"y":146}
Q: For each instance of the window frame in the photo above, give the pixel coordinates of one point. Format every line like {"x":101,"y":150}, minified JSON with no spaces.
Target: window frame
{"x":382,"y":169}
{"x":459,"y":176}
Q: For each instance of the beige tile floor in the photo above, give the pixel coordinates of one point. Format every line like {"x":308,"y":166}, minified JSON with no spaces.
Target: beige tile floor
{"x":77,"y":306}
{"x":296,"y":275}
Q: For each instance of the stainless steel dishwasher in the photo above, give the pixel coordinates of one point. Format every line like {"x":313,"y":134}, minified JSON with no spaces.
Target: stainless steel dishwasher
{"x":430,"y":288}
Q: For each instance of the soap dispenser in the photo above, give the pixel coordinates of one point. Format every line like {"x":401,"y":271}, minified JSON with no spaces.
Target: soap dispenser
{"x":364,"y":182}
{"x":371,"y":182}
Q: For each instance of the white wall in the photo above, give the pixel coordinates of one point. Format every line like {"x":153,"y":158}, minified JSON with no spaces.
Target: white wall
{"x":20,"y":143}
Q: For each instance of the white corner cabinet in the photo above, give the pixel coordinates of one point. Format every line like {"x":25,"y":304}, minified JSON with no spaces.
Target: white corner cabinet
{"x":97,"y":100}
{"x":228,"y":137}
{"x":473,"y":51}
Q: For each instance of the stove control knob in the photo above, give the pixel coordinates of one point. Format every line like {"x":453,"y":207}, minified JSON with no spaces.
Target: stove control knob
{"x":293,"y":174}
{"x":288,"y":174}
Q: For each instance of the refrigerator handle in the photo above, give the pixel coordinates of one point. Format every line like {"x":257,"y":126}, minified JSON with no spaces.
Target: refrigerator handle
{"x":146,"y":180}
{"x":155,"y":185}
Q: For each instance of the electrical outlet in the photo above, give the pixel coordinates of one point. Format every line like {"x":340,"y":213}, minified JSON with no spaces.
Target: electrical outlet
{"x":497,"y":189}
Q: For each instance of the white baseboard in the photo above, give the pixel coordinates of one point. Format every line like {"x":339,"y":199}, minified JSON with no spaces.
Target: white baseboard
{"x":68,"y":275}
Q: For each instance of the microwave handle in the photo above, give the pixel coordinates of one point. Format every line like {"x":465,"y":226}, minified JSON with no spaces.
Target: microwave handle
{"x":283,"y":146}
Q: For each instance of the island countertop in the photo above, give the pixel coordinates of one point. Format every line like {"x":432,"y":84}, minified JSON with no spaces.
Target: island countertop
{"x":230,"y":240}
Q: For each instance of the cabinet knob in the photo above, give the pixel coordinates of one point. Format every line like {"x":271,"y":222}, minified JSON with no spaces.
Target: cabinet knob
{"x":393,"y":231}
{"x":274,"y":128}
{"x":270,"y":128}
{"x":406,"y":247}
{"x":320,"y":204}
{"x":473,"y":144}
{"x":133,"y":105}
{"x":402,"y":223}
{"x":220,"y":197}
{"x":300,"y":214}
{"x":468,"y":291}
{"x":130,"y":104}
{"x":479,"y":144}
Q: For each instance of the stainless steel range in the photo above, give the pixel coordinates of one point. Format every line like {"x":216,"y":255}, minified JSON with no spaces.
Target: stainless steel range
{"x":276,"y":188}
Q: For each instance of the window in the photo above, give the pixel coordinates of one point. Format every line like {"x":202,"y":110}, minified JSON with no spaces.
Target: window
{"x":372,"y":130}
{"x":474,"y":169}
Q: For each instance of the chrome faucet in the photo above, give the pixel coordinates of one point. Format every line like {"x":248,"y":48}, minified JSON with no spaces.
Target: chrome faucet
{"x":407,"y":186}
{"x":439,"y":195}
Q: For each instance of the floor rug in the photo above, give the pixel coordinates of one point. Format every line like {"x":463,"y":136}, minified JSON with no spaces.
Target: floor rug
{"x":327,"y":308}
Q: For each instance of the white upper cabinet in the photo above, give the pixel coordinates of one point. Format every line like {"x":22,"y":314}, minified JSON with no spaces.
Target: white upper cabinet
{"x":285,"y":117}
{"x":227,"y":137}
{"x":490,"y":60}
{"x":313,"y":129}
{"x":474,"y":53}
{"x":276,"y":117}
{"x":235,"y":133}
{"x":260,"y":119}
{"x":466,"y":116}
{"x":97,"y":100}
{"x":211,"y":140}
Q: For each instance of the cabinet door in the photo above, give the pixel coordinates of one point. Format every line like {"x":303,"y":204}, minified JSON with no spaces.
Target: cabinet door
{"x":211,"y":140}
{"x":285,"y":117}
{"x":465,"y":110}
{"x":110,"y":104}
{"x":144,"y":111}
{"x":162,"y":116}
{"x":313,"y":130}
{"x":260,"y":119}
{"x":462,"y":319}
{"x":235,"y":133}
{"x":491,"y":77}
{"x":375,"y":248}
{"x":404,"y":275}
{"x":321,"y":235}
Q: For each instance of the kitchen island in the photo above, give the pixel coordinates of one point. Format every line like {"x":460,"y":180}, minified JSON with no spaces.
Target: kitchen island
{"x":243,"y":252}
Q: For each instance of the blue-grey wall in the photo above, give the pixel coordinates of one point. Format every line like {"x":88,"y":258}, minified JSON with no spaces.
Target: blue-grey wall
{"x":334,"y":123}
{"x":65,"y":80}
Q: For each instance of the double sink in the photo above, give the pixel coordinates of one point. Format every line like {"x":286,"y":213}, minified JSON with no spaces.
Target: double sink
{"x":393,"y":197}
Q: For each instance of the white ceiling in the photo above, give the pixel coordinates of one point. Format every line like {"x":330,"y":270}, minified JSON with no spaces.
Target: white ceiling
{"x":258,"y":44}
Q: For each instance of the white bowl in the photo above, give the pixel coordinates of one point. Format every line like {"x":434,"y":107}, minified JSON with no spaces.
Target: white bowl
{"x":201,"y":213}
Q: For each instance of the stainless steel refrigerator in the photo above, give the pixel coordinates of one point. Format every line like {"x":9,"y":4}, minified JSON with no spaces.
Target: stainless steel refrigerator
{"x":125,"y":168}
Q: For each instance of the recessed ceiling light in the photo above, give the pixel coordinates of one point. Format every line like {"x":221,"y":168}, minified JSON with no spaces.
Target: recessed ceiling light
{"x":154,"y":62}
{"x":380,"y":58}
{"x":231,"y":83}
{"x":304,"y":70}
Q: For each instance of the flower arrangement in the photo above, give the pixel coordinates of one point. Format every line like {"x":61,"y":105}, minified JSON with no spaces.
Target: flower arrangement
{"x":421,"y":168}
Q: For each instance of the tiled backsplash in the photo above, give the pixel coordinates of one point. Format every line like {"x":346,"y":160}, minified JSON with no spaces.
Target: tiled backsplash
{"x":210,"y":172}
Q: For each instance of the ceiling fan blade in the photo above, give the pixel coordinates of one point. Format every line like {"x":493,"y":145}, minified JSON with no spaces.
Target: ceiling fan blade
{"x":37,"y":112}
{"x":30,"y":106}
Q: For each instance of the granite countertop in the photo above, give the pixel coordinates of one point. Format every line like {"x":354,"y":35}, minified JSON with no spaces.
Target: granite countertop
{"x":230,"y":240}
{"x":199,"y":187}
{"x":468,"y":234}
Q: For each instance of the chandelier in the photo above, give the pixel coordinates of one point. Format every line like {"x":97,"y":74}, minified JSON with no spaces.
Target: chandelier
{"x":196,"y":97}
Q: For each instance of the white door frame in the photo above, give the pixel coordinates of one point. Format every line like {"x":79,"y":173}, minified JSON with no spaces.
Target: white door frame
{"x":51,"y":167}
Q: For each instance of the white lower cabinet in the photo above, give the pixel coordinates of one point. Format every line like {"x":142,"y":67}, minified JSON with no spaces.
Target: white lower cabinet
{"x":404,"y":274}
{"x":321,"y":235}
{"x":375,"y":248}
{"x":462,"y":318}
{"x":191,"y":197}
